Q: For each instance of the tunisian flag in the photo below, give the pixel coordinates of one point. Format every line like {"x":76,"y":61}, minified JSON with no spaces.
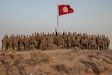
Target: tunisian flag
{"x":64,"y":9}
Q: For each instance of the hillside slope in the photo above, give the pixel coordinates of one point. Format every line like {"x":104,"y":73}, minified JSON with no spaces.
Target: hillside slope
{"x":56,"y":62}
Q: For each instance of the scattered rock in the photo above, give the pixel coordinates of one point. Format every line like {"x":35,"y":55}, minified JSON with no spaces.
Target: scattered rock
{"x":77,"y":69}
{"x":60,"y":68}
{"x":56,"y":62}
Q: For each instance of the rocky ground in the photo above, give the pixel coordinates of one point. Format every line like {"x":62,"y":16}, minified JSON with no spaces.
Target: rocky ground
{"x":56,"y":62}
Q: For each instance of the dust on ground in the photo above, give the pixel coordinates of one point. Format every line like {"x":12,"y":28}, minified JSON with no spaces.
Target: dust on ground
{"x":56,"y":62}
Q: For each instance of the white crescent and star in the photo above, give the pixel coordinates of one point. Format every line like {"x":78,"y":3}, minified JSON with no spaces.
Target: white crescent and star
{"x":65,"y":9}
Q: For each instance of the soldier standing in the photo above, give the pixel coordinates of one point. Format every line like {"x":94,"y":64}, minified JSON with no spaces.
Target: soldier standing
{"x":5,"y":43}
{"x":92,"y":42}
{"x":84,"y":42}
{"x":69,"y":41}
{"x":100,"y":43}
{"x":108,"y":42}
{"x":10,"y":42}
{"x":15,"y":44}
{"x":61,"y":42}
{"x":43,"y":42}
{"x":104,"y":42}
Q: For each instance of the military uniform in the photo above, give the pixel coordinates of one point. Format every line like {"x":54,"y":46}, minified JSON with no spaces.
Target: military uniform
{"x":100,"y":43}
{"x":10,"y":43}
{"x":43,"y":45}
{"x":84,"y":42}
{"x":93,"y":43}
{"x":108,"y":42}
{"x":69,"y":41}
{"x":5,"y":43}
{"x":15,"y":43}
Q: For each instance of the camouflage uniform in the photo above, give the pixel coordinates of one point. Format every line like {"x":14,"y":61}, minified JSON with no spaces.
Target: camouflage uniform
{"x":15,"y":43}
{"x":37,"y":41}
{"x":104,"y":42}
{"x":5,"y":43}
{"x":84,"y":42}
{"x":21,"y":43}
{"x":69,"y":41}
{"x":76,"y":41}
{"x":60,"y":42}
{"x":31,"y":43}
{"x":93,"y":43}
{"x":50,"y":42}
{"x":108,"y":42}
{"x":97,"y":41}
{"x":100,"y":43}
{"x":65,"y":40}
{"x":26,"y":43}
{"x":55,"y":40}
{"x":43,"y":41}
{"x":10,"y":42}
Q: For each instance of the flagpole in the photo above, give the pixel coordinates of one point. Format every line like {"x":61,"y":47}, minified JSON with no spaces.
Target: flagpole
{"x":57,"y":19}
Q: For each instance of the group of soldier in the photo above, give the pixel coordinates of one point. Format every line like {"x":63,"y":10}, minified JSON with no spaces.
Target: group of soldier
{"x":55,"y":41}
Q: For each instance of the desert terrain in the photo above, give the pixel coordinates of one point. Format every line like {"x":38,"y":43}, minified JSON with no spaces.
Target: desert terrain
{"x":56,"y":62}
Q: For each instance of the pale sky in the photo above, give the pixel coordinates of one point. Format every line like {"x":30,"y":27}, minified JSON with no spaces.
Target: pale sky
{"x":29,"y":16}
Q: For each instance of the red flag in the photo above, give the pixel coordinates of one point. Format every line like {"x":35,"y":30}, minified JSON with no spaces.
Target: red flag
{"x":64,"y":9}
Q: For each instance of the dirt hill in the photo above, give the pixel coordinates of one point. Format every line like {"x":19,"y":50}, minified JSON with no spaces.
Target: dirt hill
{"x":56,"y":62}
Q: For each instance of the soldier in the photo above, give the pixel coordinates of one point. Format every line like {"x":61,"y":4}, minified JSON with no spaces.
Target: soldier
{"x":26,"y":43}
{"x":69,"y":41}
{"x":93,"y":42}
{"x":100,"y":43}
{"x":43,"y":41}
{"x":60,"y":41}
{"x":84,"y":42}
{"x":76,"y":40}
{"x":21,"y":43}
{"x":73,"y":40}
{"x":10,"y":42}
{"x":31,"y":42}
{"x":5,"y":43}
{"x":65,"y":39}
{"x":97,"y":37}
{"x":35,"y":40}
{"x":50,"y":41}
{"x":104,"y":42}
{"x":56,"y":40}
{"x":89,"y":41}
{"x":108,"y":43}
{"x":15,"y":43}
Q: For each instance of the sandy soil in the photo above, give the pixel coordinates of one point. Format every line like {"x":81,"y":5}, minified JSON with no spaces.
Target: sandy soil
{"x":56,"y":62}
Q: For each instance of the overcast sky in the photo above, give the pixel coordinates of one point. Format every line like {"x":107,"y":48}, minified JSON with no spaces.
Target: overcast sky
{"x":29,"y":16}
